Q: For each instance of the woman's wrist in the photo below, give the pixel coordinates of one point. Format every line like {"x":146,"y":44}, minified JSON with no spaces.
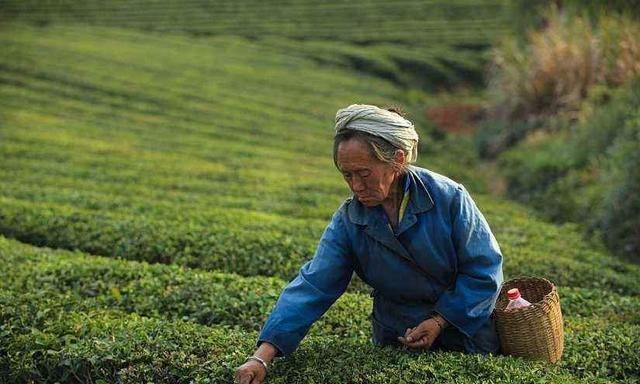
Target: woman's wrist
{"x":258,"y":360}
{"x":442,"y":323}
{"x":266,"y":352}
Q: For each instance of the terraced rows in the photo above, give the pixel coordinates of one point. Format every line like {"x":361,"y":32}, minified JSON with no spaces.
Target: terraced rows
{"x":213,"y":156}
{"x":78,"y":303}
{"x":406,"y":22}
{"x":414,"y":43}
{"x":114,"y":346}
{"x":213,"y":174}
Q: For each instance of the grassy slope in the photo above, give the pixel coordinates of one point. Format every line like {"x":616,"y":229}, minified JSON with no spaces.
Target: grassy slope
{"x":204,"y":166}
{"x":433,"y":43}
{"x":406,"y":22}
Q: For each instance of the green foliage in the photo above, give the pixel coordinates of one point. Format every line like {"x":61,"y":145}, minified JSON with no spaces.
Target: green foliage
{"x":89,"y":282}
{"x":581,"y":303}
{"x":587,"y":174}
{"x":611,"y":350}
{"x":456,"y":21}
{"x":166,"y":291}
{"x":62,"y":320}
{"x":145,"y":163}
{"x":620,"y":213}
{"x":414,"y":44}
{"x":111,"y":346}
{"x":205,"y":156}
{"x":264,"y":248}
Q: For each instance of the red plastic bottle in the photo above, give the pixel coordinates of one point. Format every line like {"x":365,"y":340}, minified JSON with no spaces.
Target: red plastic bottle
{"x":515,"y":300}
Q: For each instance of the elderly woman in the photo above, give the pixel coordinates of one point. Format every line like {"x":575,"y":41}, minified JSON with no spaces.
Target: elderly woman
{"x":413,"y":235}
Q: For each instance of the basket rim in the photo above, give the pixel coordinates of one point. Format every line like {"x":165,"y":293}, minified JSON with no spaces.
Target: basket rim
{"x":547,"y":297}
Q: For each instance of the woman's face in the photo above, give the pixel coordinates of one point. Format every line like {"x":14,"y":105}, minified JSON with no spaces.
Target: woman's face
{"x":369,"y":179}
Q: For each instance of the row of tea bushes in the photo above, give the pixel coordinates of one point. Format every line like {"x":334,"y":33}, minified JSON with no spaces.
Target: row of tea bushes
{"x":415,"y":44}
{"x":42,"y":339}
{"x":124,"y":157}
{"x":259,"y":249}
{"x":109,"y":346}
{"x":274,"y":249}
{"x":171,"y":292}
{"x":435,"y":66}
{"x":410,"y":23}
{"x":532,"y":247}
{"x":200,"y":136}
{"x":209,"y":297}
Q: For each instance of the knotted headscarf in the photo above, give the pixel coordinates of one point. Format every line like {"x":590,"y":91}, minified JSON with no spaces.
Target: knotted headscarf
{"x":379,"y":122}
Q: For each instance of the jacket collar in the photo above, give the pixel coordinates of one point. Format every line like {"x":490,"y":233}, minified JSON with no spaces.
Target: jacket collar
{"x":419,"y":201}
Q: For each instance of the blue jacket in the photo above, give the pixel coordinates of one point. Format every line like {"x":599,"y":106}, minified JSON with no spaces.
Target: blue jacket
{"x":443,"y":258}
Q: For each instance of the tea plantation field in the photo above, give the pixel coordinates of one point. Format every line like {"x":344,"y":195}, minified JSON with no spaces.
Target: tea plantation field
{"x":159,"y":190}
{"x":72,"y":316}
{"x":400,"y":40}
{"x":405,"y":22}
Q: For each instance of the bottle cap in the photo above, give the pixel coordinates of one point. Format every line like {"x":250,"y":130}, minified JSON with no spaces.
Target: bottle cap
{"x":513,"y":294}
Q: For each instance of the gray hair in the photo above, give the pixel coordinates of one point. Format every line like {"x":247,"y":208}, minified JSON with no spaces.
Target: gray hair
{"x":379,"y":147}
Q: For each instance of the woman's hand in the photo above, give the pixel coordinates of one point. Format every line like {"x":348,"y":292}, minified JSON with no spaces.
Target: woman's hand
{"x":251,"y":372}
{"x":423,"y":335}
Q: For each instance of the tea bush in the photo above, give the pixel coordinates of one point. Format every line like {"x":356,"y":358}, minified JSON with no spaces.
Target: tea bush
{"x":204,"y":156}
{"x":168,"y":291}
{"x":212,"y":298}
{"x":561,"y":254}
{"x":435,"y":44}
{"x":60,"y":336}
{"x":110,"y":160}
{"x":111,"y":346}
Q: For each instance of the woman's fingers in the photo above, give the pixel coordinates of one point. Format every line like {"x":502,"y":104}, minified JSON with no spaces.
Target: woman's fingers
{"x":421,"y":343}
{"x":250,"y":373}
{"x":246,"y":378}
{"x":414,"y":341}
{"x":416,"y":333}
{"x":422,"y":335}
{"x":403,"y":339}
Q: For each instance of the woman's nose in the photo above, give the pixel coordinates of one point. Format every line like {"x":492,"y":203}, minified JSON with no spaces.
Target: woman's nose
{"x":357,"y":185}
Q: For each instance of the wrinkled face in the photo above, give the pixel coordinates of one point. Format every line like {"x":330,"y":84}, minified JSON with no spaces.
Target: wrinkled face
{"x":369,"y":178}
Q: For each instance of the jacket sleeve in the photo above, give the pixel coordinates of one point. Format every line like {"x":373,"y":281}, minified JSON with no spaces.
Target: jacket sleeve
{"x":471,"y":300}
{"x":309,"y":295}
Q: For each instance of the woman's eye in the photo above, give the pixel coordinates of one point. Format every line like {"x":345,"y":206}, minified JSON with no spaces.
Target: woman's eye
{"x":365,"y":174}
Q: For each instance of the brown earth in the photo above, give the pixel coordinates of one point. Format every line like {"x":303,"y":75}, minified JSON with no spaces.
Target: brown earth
{"x":456,"y":118}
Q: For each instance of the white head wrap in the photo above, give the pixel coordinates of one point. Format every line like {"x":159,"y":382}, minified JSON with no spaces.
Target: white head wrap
{"x":379,"y":122}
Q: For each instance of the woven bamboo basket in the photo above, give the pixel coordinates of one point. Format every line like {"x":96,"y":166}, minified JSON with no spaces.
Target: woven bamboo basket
{"x":535,"y":331}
